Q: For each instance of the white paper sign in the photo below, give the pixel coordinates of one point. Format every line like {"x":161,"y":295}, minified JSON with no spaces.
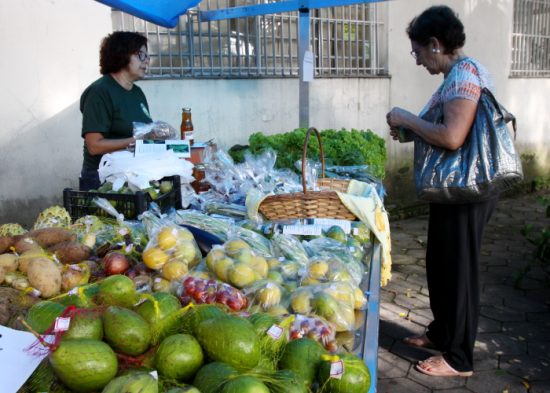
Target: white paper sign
{"x":307,"y":67}
{"x":180,"y":148}
{"x":16,"y":364}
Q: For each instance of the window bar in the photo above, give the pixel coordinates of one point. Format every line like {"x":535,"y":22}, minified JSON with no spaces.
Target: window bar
{"x":220,"y":43}
{"x":229,"y":54}
{"x":247,"y":46}
{"x":210,"y":49}
{"x":374,"y":66}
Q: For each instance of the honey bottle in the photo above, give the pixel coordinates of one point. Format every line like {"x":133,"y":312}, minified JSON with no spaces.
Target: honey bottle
{"x":186,"y":127}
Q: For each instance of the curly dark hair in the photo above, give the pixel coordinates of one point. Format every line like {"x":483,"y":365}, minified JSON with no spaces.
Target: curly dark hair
{"x":116,"y":49}
{"x":440,"y":22}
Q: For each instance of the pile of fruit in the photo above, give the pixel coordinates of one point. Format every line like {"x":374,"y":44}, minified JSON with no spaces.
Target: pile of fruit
{"x":149,"y":309}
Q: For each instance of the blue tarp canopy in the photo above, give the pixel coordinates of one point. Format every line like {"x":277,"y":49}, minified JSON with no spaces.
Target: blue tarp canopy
{"x":164,"y":13}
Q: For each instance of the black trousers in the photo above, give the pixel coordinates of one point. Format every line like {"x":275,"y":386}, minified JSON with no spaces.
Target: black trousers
{"x":452,"y":269}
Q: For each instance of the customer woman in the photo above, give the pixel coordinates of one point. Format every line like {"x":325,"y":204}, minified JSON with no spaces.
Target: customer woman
{"x":112,"y":103}
{"x":454,"y":230}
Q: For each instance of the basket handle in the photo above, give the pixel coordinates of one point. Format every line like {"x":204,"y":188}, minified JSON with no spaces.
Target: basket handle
{"x":304,"y":156}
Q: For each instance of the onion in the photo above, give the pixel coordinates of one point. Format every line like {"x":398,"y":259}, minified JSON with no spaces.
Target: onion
{"x":115,"y":263}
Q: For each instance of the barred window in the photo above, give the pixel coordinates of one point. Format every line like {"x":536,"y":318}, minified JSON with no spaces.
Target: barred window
{"x":531,"y":39}
{"x":348,"y":41}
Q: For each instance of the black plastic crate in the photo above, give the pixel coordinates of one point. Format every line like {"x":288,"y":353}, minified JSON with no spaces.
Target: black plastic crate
{"x":79,"y":203}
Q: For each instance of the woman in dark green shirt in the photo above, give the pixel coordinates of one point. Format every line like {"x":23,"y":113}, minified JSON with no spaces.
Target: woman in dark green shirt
{"x":112,"y":103}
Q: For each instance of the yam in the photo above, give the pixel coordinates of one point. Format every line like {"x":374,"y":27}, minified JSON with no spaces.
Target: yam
{"x":5,"y":243}
{"x":24,"y":259}
{"x":45,"y":275}
{"x":8,"y":262}
{"x":47,"y":237}
{"x":23,"y":244}
{"x":70,"y":252}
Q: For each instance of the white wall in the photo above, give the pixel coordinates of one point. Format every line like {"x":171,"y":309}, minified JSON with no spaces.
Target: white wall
{"x":50,"y":54}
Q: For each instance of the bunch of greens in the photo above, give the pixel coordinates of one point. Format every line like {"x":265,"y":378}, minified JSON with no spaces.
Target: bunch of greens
{"x":343,"y":147}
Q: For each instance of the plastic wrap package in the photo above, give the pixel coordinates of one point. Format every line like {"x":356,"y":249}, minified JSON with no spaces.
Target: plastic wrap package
{"x":208,"y":291}
{"x":266,"y":295}
{"x":330,"y":249}
{"x":122,"y":166}
{"x":236,"y":263}
{"x":314,"y":327}
{"x":231,"y":182}
{"x":325,"y":268}
{"x":290,"y":247}
{"x":172,"y":250}
{"x":356,"y":172}
{"x":158,"y":130}
{"x":336,"y":302}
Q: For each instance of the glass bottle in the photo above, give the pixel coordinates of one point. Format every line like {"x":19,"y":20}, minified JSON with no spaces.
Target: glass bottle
{"x":186,"y":127}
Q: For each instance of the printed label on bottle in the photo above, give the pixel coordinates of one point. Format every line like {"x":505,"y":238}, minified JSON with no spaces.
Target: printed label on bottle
{"x":189,"y":135}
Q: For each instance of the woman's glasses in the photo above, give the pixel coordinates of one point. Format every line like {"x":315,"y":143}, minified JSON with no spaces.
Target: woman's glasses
{"x":142,"y":56}
{"x":414,"y":53}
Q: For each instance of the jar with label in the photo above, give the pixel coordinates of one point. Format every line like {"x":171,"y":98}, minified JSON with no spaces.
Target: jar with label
{"x":186,"y":127}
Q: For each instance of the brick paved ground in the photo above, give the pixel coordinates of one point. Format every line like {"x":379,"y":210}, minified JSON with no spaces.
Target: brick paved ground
{"x":513,"y":342}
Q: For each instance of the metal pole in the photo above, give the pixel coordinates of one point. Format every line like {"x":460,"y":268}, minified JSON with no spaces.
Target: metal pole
{"x":303,"y":47}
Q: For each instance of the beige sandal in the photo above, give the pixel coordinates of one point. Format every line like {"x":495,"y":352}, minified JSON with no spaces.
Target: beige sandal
{"x":421,"y":341}
{"x":436,"y":366}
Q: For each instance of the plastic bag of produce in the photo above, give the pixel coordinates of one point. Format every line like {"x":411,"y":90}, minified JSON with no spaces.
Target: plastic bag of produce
{"x":208,"y":291}
{"x":334,"y":302}
{"x":264,"y":295}
{"x":315,"y":328}
{"x":158,"y":130}
{"x":325,"y":268}
{"x":290,"y":247}
{"x":335,"y":250}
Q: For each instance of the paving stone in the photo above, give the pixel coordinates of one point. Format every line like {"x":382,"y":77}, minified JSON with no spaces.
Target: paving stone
{"x":482,"y":362}
{"x":527,"y":330}
{"x":412,"y":300}
{"x":418,"y":279}
{"x":403,"y":287}
{"x":418,"y":253}
{"x":401,"y":328}
{"x":497,"y":381}
{"x":538,"y":317}
{"x":540,"y":349}
{"x":392,"y":366}
{"x":528,"y":305}
{"x":412,"y":354}
{"x":400,"y":385}
{"x":390,"y":312}
{"x":487,"y":325}
{"x":402,"y":259}
{"x":540,"y":387}
{"x":524,"y":366}
{"x":457,"y":390}
{"x":503,"y":314}
{"x":529,"y":283}
{"x":492,"y":344}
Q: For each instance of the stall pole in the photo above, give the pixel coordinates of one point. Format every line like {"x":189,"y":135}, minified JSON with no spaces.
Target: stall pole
{"x":303,"y":47}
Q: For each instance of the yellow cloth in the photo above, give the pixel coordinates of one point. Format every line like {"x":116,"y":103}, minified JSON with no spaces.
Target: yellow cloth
{"x":363,"y":201}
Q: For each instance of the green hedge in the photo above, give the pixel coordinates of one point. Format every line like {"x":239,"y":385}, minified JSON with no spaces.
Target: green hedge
{"x":343,"y":147}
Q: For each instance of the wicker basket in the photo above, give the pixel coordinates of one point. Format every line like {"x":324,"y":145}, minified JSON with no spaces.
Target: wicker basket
{"x":309,"y":204}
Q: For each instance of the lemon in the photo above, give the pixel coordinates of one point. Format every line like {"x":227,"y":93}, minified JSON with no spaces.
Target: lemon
{"x":174,"y":270}
{"x":243,"y":255}
{"x":221,"y":268}
{"x":185,"y":251}
{"x":318,"y":269}
{"x":215,"y":254}
{"x":259,"y":264}
{"x":167,"y":238}
{"x":301,"y":302}
{"x":233,"y":246}
{"x":269,"y":296}
{"x":185,"y":234}
{"x":273,"y":262}
{"x":310,"y":281}
{"x":360,"y":299}
{"x":161,"y":285}
{"x":241,"y":275}
{"x":277,"y":310}
{"x":154,"y":258}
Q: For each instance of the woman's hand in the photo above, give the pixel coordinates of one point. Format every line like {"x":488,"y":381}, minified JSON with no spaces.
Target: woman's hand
{"x":97,"y":144}
{"x":398,"y":117}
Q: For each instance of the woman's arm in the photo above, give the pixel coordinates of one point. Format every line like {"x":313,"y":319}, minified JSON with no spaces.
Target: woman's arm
{"x":458,"y":117}
{"x":97,"y":144}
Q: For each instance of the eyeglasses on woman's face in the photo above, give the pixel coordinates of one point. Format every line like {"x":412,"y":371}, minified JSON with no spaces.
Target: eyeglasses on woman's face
{"x":142,"y":56}
{"x":414,"y":53}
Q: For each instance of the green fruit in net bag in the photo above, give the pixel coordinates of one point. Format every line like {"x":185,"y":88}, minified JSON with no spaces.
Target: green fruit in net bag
{"x":183,"y":389}
{"x":231,"y":340}
{"x":286,"y":381}
{"x":179,"y":357}
{"x":244,"y":384}
{"x":42,"y":315}
{"x":303,"y":357}
{"x":138,"y":382}
{"x":117,"y":290}
{"x":126,"y":331}
{"x":197,"y":314}
{"x":159,"y":307}
{"x":85,"y":325}
{"x":355,"y":376}
{"x":84,"y":365}
{"x":211,"y":377}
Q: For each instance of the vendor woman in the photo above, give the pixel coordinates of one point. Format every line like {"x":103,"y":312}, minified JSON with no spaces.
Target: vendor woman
{"x":112,"y":103}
